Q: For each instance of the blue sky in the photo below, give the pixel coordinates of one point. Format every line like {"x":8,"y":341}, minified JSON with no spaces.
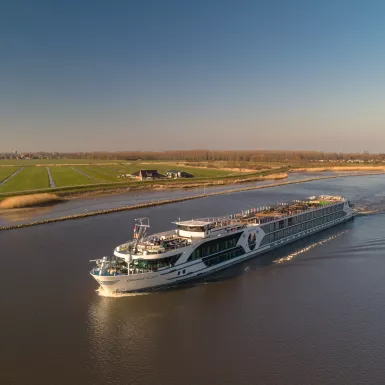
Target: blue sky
{"x":157,"y":75}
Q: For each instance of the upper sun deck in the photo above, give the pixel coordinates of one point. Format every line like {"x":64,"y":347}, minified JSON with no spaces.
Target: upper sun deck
{"x":260,"y":215}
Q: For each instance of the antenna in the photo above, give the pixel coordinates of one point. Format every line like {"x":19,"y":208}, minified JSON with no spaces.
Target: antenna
{"x":141,"y":231}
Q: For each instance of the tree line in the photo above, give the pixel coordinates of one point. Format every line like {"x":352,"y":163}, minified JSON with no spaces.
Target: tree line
{"x":227,"y":156}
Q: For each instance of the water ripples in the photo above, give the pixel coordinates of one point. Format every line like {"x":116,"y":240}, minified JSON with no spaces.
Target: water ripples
{"x":310,"y":247}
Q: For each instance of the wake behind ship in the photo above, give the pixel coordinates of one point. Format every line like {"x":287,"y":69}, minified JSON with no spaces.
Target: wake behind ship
{"x":202,"y":246}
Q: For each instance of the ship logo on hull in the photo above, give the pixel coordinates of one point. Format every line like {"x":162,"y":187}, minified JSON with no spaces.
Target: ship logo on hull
{"x":252,"y":241}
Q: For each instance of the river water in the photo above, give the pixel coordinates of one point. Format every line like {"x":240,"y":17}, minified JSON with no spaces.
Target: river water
{"x":309,"y":313}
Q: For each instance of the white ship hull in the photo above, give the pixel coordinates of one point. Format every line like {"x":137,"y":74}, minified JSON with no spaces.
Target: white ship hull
{"x":189,"y":270}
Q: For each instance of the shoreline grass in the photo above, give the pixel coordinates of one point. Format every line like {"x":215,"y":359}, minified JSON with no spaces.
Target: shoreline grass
{"x":28,"y":200}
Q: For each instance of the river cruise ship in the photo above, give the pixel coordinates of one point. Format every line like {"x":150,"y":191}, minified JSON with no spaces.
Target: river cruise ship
{"x":199,"y":247}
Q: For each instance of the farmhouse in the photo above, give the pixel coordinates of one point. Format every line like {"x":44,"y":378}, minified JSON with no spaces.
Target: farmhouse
{"x":147,"y":175}
{"x":178,"y":174}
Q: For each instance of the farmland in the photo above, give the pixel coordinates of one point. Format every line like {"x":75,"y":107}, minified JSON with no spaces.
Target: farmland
{"x":30,"y":178}
{"x":119,"y":169}
{"x":66,"y":176}
{"x":5,"y":172}
{"x":75,"y":176}
{"x":99,"y":173}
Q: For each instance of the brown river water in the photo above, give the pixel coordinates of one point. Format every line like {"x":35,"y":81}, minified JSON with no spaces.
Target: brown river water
{"x":309,"y":313}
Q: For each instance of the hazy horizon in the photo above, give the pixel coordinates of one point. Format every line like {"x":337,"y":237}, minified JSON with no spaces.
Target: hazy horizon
{"x":179,"y":75}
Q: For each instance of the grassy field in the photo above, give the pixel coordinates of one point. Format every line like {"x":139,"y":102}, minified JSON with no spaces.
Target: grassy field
{"x":99,"y":173}
{"x":120,"y":169}
{"x":103,"y":175}
{"x":36,"y":177}
{"x":30,"y":178}
{"x":66,"y":176}
{"x":197,"y":172}
{"x":5,"y":172}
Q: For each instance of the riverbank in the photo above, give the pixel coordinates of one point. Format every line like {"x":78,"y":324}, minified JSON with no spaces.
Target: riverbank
{"x":340,"y":169}
{"x":74,"y":180}
{"x":134,"y":185}
{"x":169,"y":201}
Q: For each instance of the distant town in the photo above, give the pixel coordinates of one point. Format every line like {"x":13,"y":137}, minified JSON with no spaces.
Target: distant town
{"x":207,"y":156}
{"x":29,"y":155}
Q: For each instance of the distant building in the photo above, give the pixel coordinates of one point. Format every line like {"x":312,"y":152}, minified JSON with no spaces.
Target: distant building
{"x":148,"y":175}
{"x":178,"y":174}
{"x":125,"y":176}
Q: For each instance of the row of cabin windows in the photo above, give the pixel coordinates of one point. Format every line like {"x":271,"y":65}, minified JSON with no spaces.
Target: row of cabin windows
{"x":287,"y":222}
{"x":304,"y":226}
{"x":193,"y":229}
{"x":223,"y":257}
{"x":214,"y":246}
{"x":155,"y":264}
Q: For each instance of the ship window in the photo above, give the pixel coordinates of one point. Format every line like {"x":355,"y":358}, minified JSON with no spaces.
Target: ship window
{"x":276,"y":226}
{"x":222,"y":257}
{"x":214,"y":246}
{"x":193,"y":229}
{"x":155,"y":264}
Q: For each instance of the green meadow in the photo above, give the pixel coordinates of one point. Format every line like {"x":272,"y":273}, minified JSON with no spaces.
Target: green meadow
{"x":30,"y":178}
{"x":5,"y":172}
{"x":66,"y":176}
{"x":104,"y":175}
{"x":98,"y":173}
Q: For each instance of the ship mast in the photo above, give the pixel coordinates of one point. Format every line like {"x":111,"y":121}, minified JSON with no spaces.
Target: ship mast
{"x":140,"y":229}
